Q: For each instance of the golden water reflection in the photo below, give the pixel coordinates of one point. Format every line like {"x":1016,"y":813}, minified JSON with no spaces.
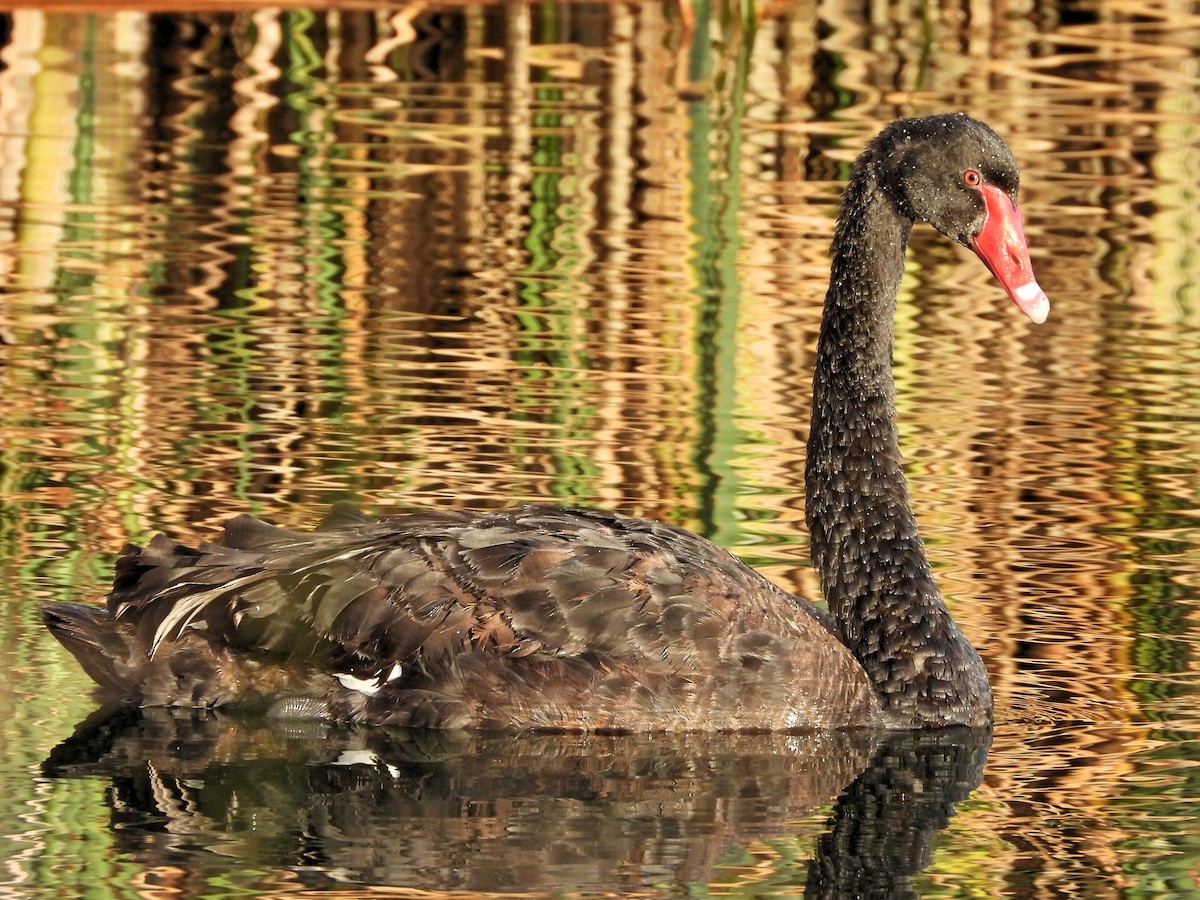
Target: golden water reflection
{"x":476,"y":255}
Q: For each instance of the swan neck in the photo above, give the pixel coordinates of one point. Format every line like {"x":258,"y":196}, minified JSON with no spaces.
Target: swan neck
{"x":864,"y":540}
{"x":858,"y":507}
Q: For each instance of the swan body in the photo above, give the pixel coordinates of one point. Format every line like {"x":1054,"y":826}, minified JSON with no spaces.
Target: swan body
{"x":539,"y":617}
{"x":545,"y":617}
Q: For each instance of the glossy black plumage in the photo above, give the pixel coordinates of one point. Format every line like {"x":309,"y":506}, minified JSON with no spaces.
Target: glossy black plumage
{"x":553,"y":618}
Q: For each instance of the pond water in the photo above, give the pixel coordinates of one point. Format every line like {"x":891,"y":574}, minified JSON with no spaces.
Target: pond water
{"x":476,"y":255}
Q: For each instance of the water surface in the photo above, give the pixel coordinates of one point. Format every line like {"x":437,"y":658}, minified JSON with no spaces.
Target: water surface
{"x":479,"y":255}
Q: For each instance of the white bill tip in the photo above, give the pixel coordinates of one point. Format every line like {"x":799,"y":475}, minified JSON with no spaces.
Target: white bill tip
{"x":1033,"y":302}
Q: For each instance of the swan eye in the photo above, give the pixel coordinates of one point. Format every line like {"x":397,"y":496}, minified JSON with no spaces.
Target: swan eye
{"x":971,"y":178}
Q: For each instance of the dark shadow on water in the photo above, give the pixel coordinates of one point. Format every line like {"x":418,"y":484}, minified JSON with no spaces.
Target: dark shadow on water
{"x":434,"y":810}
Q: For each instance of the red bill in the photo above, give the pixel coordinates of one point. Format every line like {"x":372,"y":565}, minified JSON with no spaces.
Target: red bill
{"x":1001,"y":245}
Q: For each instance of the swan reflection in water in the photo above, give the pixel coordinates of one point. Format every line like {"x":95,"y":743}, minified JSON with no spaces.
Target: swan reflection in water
{"x":458,"y":810}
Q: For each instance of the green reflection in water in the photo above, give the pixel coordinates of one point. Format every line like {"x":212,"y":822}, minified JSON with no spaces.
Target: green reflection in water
{"x":552,"y":346}
{"x":322,"y":224}
{"x":1157,"y":811}
{"x":715,"y":149}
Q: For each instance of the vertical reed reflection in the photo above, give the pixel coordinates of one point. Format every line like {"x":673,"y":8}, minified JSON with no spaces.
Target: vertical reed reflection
{"x":480,"y":254}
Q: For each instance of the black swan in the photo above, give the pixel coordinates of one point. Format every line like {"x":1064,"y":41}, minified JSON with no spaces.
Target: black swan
{"x":575,"y":619}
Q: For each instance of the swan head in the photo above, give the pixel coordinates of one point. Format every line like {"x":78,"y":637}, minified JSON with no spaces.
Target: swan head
{"x":955,"y":173}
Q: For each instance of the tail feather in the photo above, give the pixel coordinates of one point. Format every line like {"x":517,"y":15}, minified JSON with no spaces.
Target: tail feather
{"x":144,"y":571}
{"x":100,"y":644}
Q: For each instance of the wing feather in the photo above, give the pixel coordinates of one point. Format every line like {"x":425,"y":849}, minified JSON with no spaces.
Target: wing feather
{"x":537,"y":606}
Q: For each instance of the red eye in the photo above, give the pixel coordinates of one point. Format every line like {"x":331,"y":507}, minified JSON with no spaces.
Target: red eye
{"x":971,"y":178}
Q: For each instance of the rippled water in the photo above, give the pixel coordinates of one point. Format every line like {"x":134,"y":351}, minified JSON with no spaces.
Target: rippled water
{"x":477,"y":255}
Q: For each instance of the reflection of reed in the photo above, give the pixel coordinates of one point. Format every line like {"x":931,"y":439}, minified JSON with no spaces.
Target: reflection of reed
{"x":454,"y":256}
{"x":1059,"y":782}
{"x":428,"y":235}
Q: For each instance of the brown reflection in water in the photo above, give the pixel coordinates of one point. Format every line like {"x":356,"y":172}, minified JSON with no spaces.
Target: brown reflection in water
{"x":1053,"y":790}
{"x":480,"y":255}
